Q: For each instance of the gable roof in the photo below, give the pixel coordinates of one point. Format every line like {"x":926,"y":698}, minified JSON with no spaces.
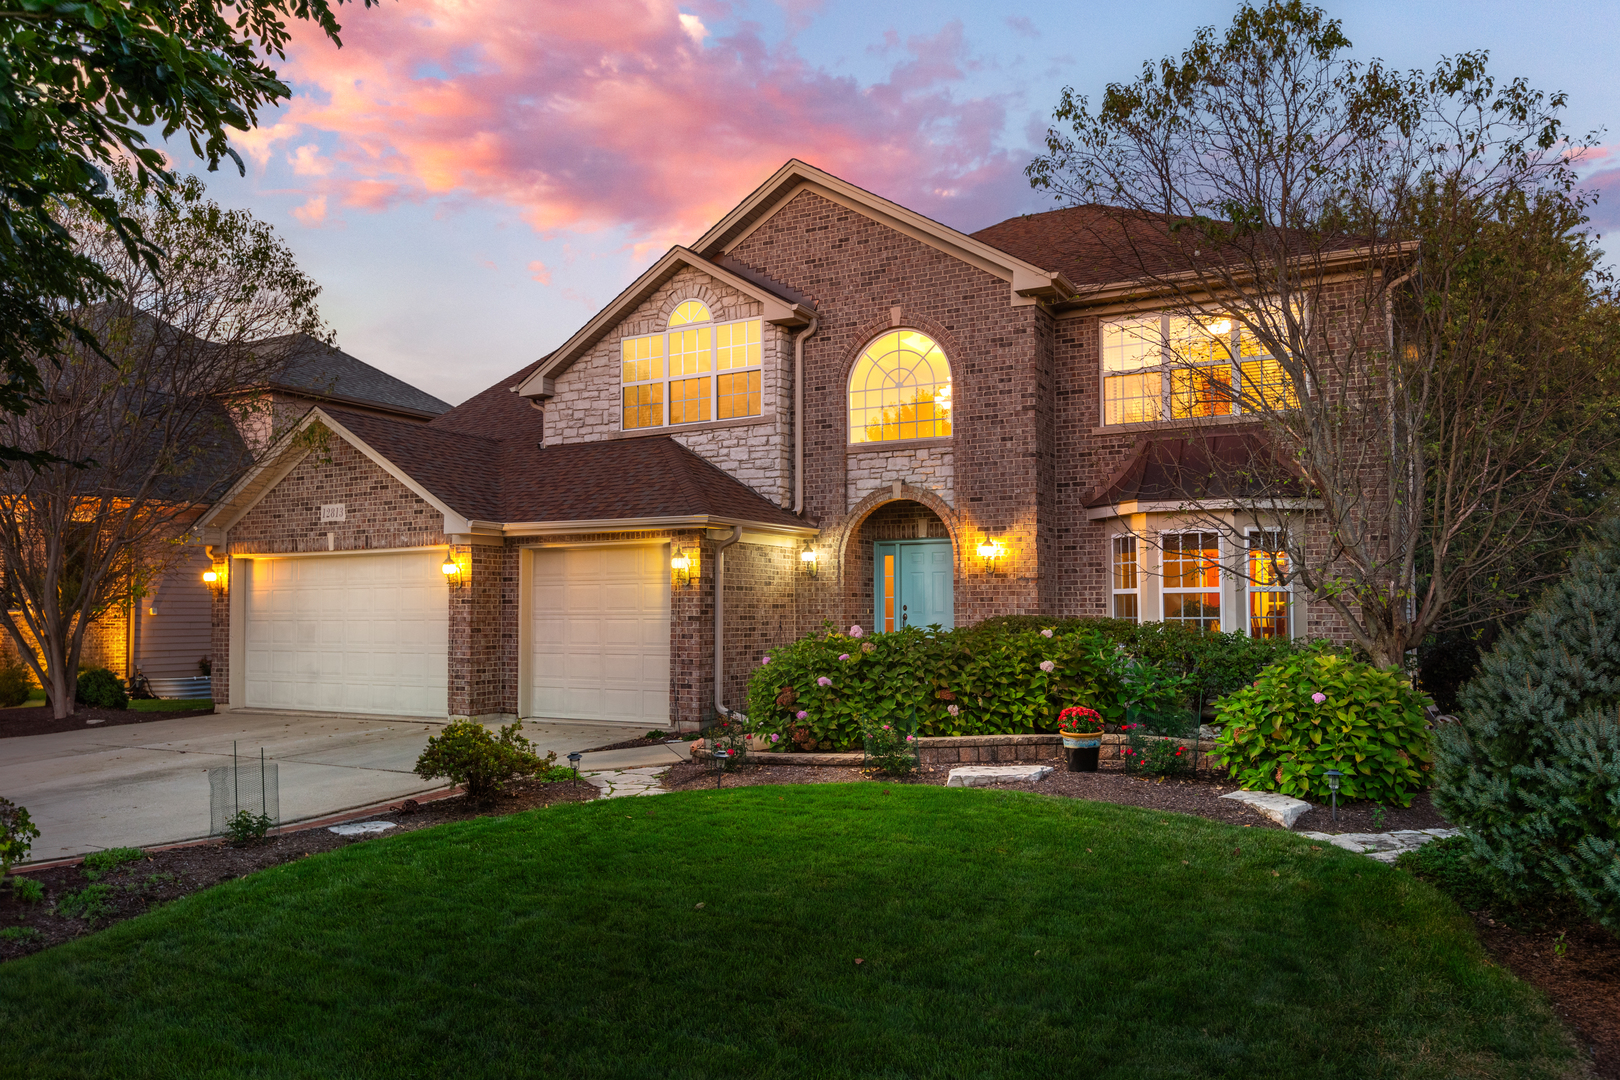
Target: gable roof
{"x":325,"y":372}
{"x":778,"y":309}
{"x":498,"y":412}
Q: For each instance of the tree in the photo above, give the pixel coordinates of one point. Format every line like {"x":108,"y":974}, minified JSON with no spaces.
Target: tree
{"x":79,"y":81}
{"x":1387,"y":273}
{"x":1532,"y":770}
{"x":131,"y":440}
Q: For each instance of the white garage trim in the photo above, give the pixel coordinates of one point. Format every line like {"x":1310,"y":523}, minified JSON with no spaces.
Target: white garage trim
{"x":595,"y":633}
{"x":349,"y":632}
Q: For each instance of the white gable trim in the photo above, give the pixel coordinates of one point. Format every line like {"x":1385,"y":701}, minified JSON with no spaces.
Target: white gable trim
{"x":249,"y":491}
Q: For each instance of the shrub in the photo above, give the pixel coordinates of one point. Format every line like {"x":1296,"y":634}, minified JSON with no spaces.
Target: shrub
{"x":101,"y":689}
{"x":27,"y":890}
{"x":1155,"y":757}
{"x":819,"y":691}
{"x":16,"y":683}
{"x":890,"y":749}
{"x":17,"y":835}
{"x":19,"y":934}
{"x":732,"y":737}
{"x":1314,"y":712}
{"x":1531,"y":771}
{"x":466,"y":753}
{"x":98,"y":863}
{"x":90,"y":903}
{"x":245,"y":827}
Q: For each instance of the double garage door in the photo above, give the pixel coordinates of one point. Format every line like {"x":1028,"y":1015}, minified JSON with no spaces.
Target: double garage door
{"x":347,"y":633}
{"x":600,"y":618}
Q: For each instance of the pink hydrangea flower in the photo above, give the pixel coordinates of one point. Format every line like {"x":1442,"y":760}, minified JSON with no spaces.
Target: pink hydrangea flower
{"x":856,"y":631}
{"x":1319,"y":697}
{"x":843,"y":656}
{"x":1048,"y":666}
{"x":802,"y":715}
{"x":1047,"y":632}
{"x":764,"y":660}
{"x":953,"y":710}
{"x":775,"y":737}
{"x":824,"y":681}
{"x":911,"y":738}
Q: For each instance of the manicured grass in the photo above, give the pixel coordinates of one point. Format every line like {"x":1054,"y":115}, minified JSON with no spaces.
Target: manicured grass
{"x":169,"y":704}
{"x":717,"y":933}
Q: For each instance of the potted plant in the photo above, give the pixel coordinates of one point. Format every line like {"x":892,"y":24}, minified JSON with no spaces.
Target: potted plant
{"x":1081,"y":729}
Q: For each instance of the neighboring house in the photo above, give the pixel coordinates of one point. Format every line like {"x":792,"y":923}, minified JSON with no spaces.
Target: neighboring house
{"x":846,"y":410}
{"x":166,"y":634}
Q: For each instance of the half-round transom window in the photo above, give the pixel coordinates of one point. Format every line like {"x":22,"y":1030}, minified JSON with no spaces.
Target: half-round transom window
{"x":690,"y":311}
{"x":900,"y":389}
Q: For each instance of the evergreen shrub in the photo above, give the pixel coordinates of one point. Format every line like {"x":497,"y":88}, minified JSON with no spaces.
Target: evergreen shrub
{"x":16,"y":683}
{"x":1314,"y":712}
{"x":466,"y":753}
{"x":101,"y":689}
{"x":820,"y":692}
{"x":1531,"y":773}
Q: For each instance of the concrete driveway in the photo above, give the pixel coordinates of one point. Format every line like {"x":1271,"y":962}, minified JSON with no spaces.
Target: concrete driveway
{"x":144,"y":784}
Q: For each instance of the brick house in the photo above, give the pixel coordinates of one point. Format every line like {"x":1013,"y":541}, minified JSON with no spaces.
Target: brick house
{"x":828,"y":407}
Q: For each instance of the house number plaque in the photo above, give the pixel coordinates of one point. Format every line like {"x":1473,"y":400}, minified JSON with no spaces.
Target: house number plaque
{"x":332,"y":511}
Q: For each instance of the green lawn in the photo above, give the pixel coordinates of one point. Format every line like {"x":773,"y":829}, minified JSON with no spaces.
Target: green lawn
{"x":37,"y":697}
{"x":1003,"y":935}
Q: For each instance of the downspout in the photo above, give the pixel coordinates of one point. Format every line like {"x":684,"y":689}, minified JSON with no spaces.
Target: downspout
{"x":798,"y":413}
{"x":719,"y":616}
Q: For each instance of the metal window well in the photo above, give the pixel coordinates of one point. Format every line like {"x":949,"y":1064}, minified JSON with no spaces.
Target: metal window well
{"x":250,"y":785}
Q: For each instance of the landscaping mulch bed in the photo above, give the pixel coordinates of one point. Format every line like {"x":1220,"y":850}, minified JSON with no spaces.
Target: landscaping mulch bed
{"x":37,"y":719}
{"x":1200,"y":796}
{"x":169,"y":874}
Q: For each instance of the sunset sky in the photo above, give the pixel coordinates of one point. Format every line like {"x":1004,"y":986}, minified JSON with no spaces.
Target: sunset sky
{"x":471,"y":182}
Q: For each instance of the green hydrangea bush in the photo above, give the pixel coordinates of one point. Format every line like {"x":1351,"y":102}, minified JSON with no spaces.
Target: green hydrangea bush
{"x":1531,"y":773}
{"x":820,"y":692}
{"x":1311,"y":713}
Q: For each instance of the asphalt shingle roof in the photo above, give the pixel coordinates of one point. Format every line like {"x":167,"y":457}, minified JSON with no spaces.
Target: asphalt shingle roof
{"x":1210,"y":465}
{"x":315,"y":369}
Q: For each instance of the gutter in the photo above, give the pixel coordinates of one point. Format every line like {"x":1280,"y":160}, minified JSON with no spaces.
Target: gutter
{"x":719,"y":617}
{"x":798,"y":413}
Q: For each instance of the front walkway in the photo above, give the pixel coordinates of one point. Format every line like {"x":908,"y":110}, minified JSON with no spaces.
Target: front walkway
{"x":140,"y":785}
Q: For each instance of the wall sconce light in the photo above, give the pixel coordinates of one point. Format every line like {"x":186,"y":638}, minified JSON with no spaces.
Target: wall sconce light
{"x":680,"y":570}
{"x":808,"y":558}
{"x":452,"y":570}
{"x":992,"y":553}
{"x":211,"y":578}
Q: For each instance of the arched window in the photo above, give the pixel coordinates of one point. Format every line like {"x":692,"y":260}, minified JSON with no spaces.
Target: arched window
{"x":900,"y":389}
{"x":689,"y":311}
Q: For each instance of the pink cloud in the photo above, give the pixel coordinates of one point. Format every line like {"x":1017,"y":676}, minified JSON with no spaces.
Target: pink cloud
{"x":623,"y":114}
{"x":540,"y":272}
{"x":1599,"y":167}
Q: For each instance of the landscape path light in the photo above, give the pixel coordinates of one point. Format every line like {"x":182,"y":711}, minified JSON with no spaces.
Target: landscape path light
{"x":573,"y":759}
{"x":1333,"y":776}
{"x":720,"y":758}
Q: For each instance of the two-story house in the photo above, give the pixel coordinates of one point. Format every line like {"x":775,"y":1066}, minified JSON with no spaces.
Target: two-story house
{"x":827,"y":408}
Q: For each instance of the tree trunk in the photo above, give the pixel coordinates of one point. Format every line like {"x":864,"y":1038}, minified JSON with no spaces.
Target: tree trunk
{"x":62,"y":692}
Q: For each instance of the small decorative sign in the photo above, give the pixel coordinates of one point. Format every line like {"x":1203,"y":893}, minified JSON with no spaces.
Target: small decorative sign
{"x":332,"y":511}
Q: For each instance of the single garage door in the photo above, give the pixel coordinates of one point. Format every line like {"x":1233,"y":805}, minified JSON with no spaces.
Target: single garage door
{"x":348,"y":633}
{"x":601,"y":634}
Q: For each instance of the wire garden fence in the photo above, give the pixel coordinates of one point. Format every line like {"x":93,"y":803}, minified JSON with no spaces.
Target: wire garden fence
{"x":243,"y":785}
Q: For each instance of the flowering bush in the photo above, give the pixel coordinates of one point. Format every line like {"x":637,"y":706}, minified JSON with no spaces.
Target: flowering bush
{"x":1155,"y":757}
{"x":980,"y":680}
{"x":730,"y":736}
{"x":889,"y":750}
{"x":1311,"y":713}
{"x":1079,"y":720}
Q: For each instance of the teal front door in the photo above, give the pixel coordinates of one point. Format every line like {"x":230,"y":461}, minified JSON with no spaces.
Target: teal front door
{"x":912,"y":583}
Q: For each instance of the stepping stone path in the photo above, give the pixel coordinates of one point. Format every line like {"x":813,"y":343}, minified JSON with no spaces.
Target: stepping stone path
{"x":361,"y":828}
{"x":625,"y":782}
{"x":985,"y":775}
{"x":1279,"y":808}
{"x":1383,"y":846}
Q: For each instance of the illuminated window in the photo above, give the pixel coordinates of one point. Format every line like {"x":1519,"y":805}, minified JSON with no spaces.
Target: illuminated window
{"x":900,"y":388}
{"x":674,"y":368}
{"x":1125,"y":572}
{"x":1268,"y":585}
{"x":1192,"y":580}
{"x":1160,"y":366}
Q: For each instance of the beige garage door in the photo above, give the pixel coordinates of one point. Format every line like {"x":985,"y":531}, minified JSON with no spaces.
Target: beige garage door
{"x":601,"y":634}
{"x":348,"y":633}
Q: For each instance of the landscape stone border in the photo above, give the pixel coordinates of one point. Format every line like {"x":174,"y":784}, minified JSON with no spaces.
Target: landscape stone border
{"x":965,"y":750}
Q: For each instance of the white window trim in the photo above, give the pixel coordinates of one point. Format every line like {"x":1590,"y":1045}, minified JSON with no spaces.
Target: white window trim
{"x":1113,"y":589}
{"x":1221,"y":554}
{"x":1168,"y":364}
{"x":713,"y":374}
{"x":1245,"y":586}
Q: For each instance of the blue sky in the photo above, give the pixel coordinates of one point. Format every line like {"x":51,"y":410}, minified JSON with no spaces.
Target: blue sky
{"x":470,"y":191}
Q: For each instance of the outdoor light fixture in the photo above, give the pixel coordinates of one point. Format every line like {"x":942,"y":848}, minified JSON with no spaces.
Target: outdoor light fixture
{"x":211,"y":579}
{"x":573,"y":759}
{"x":720,"y":759}
{"x":808,"y":558}
{"x":680,"y":570}
{"x":991,"y":552}
{"x":1333,"y":776}
{"x":452,"y":570}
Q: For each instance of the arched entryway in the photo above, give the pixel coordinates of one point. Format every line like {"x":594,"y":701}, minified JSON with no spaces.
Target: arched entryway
{"x":903,"y":566}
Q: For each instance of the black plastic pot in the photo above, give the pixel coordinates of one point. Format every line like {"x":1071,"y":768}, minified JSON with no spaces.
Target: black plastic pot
{"x":1083,"y":758}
